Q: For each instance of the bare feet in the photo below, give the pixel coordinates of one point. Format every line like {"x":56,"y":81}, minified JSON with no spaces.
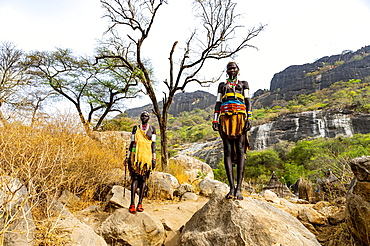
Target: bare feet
{"x":230,"y":195}
{"x":238,"y":195}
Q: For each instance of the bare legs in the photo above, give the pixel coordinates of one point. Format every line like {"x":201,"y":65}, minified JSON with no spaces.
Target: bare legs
{"x":239,"y":145}
{"x":138,"y":182}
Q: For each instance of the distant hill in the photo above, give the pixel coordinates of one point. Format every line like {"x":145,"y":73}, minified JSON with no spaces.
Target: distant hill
{"x":285,"y":85}
{"x":310,"y":77}
{"x":187,"y":101}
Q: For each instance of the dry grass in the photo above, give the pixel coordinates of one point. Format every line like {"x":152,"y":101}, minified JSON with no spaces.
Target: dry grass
{"x":49,"y":158}
{"x":178,"y":171}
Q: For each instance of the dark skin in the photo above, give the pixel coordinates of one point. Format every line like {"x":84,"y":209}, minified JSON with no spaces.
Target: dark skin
{"x":238,"y":143}
{"x":139,"y":181}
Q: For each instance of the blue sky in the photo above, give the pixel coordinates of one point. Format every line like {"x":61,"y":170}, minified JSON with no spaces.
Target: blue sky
{"x":297,"y":31}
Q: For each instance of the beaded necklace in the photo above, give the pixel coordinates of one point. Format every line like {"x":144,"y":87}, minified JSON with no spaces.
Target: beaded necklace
{"x":232,"y":83}
{"x":145,"y":128}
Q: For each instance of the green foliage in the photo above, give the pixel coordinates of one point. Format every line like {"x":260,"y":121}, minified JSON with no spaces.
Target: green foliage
{"x":358,"y":57}
{"x":190,"y":127}
{"x":121,"y":124}
{"x":292,"y":173}
{"x":259,"y":164}
{"x":220,"y":172}
{"x":306,"y":159}
{"x":338,"y":63}
{"x":353,"y":94}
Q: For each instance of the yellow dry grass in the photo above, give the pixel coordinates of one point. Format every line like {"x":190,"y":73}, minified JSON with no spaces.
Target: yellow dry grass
{"x":51,"y":157}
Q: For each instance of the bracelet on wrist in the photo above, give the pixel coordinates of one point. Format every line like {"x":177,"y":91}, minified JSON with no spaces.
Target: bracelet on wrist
{"x":215,"y":121}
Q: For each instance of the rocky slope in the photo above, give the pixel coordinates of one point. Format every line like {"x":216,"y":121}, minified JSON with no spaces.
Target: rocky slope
{"x":307,"y":78}
{"x":181,"y":102}
{"x":291,"y":127}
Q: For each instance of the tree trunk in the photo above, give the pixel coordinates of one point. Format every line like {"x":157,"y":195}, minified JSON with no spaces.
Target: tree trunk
{"x":164,"y":149}
{"x":163,"y":125}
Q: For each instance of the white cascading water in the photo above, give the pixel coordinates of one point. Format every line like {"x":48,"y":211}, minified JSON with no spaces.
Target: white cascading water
{"x":262,"y":135}
{"x":343,"y":121}
{"x":319,"y":126}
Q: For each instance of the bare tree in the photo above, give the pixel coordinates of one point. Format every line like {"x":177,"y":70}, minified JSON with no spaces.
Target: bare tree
{"x":217,"y":39}
{"x":13,"y":75}
{"x":94,"y":89}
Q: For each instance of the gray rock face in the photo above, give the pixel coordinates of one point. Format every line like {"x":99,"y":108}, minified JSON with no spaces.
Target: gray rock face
{"x":358,"y":200}
{"x":211,"y":152}
{"x":309,"y":125}
{"x":294,"y":81}
{"x":123,"y":228}
{"x":16,"y":218}
{"x":248,"y":222}
{"x":292,"y":127}
{"x":181,"y":102}
{"x":159,"y":189}
{"x":77,"y":232}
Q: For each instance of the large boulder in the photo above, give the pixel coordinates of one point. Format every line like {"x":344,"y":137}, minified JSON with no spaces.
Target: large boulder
{"x":248,"y":222}
{"x":16,"y":218}
{"x":123,"y":228}
{"x":183,"y":188}
{"x":358,"y":200}
{"x":209,"y":187}
{"x":77,"y":232}
{"x":159,"y":189}
{"x":118,"y":197}
{"x":167,"y":177}
{"x":194,"y":168}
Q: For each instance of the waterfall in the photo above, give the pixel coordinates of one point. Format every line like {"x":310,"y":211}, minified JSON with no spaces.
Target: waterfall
{"x":343,"y":121}
{"x":194,"y":148}
{"x":296,"y":121}
{"x":318,"y":128}
{"x":262,"y":135}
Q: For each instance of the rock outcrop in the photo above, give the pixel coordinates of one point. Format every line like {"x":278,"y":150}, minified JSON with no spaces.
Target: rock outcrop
{"x":358,"y":200}
{"x":291,"y":127}
{"x":123,"y":228}
{"x":181,"y":102}
{"x":247,"y":222}
{"x":307,"y":78}
{"x":77,"y":232}
{"x":193,"y":167}
{"x":309,"y":125}
{"x":209,"y":187}
{"x":16,"y":222}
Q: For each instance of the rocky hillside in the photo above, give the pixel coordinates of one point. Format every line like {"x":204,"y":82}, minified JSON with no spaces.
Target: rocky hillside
{"x":310,"y":77}
{"x":183,"y":214}
{"x":187,"y":101}
{"x":291,"y":127}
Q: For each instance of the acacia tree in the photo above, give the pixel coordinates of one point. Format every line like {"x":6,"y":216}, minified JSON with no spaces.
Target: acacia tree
{"x":218,"y":26}
{"x":94,"y":89}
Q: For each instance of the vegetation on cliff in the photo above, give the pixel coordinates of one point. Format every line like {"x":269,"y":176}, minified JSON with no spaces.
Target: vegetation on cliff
{"x":352,"y":95}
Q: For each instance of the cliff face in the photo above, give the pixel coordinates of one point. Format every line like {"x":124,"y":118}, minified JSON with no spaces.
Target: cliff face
{"x":292,"y":127}
{"x":307,"y":78}
{"x":309,"y":125}
{"x":181,"y":102}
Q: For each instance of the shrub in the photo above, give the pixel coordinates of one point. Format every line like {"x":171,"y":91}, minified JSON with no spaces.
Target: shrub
{"x":50,"y":158}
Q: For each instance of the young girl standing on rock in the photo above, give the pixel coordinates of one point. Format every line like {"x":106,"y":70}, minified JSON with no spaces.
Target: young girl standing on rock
{"x":141,"y":159}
